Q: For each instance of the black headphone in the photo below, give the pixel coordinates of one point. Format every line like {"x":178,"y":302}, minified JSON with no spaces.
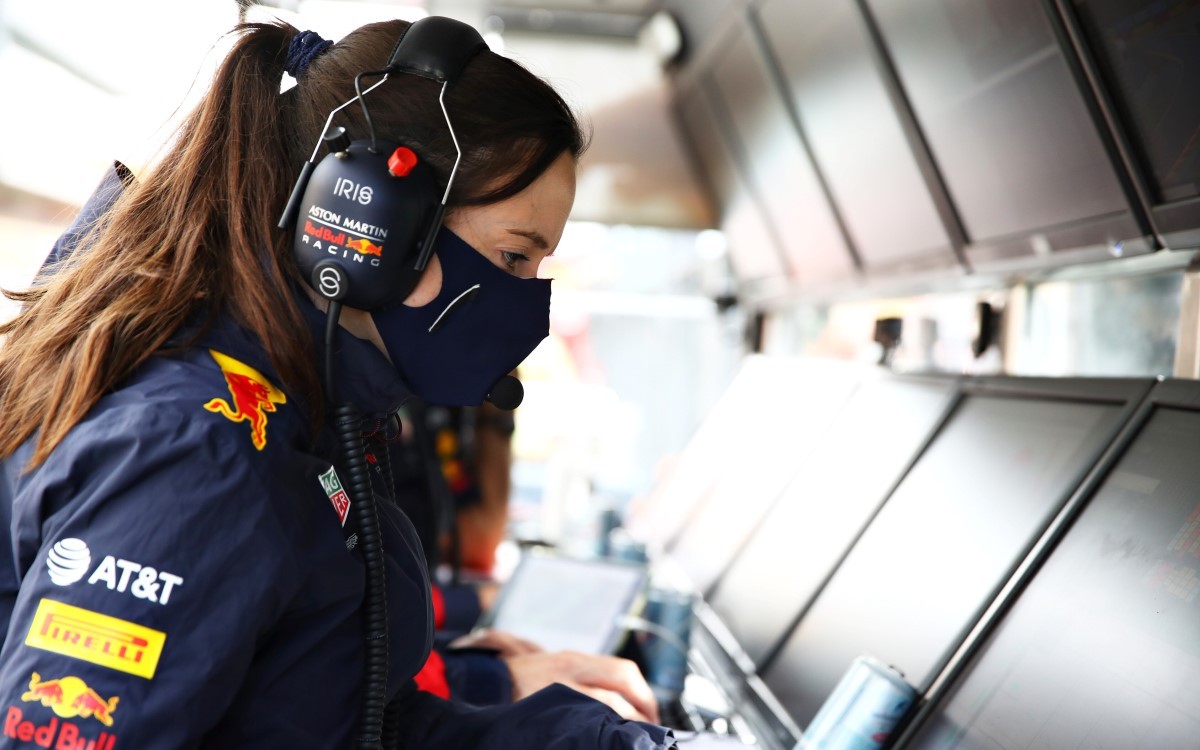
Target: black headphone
{"x":368,"y":213}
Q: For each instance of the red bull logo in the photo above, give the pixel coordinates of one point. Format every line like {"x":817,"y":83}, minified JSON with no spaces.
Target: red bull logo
{"x":253,"y":397}
{"x":325,"y":234}
{"x":57,"y":734}
{"x":70,"y":697}
{"x":366,"y":247}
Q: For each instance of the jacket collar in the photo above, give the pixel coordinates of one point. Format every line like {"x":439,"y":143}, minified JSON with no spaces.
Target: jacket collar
{"x":363,"y":373}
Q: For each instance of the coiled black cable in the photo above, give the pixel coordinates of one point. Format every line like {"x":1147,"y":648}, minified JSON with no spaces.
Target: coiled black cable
{"x":391,"y":725}
{"x":347,"y":427}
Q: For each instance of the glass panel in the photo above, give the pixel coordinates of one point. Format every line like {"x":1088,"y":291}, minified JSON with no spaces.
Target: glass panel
{"x":1151,"y":52}
{"x":853,"y":130}
{"x":1003,"y":117}
{"x":786,"y":182}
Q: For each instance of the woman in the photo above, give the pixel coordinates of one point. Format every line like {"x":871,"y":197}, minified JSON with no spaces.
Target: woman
{"x":185,"y":567}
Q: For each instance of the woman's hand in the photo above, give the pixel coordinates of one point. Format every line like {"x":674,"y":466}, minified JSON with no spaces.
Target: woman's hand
{"x":611,"y":680}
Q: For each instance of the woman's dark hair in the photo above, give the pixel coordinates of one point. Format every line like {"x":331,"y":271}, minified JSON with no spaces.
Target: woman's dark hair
{"x":510,"y":124}
{"x":197,"y":235}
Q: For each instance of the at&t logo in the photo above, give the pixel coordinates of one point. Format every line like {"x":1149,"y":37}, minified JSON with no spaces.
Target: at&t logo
{"x":70,"y":559}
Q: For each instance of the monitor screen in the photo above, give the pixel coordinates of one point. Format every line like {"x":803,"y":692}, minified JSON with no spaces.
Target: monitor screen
{"x":837,"y":485}
{"x":753,"y":479}
{"x":1005,"y":121}
{"x":765,"y":399}
{"x":1103,"y":647}
{"x":947,"y":538}
{"x":565,"y":603}
{"x":1150,"y":53}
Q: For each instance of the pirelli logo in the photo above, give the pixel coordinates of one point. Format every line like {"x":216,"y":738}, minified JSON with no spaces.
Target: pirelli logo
{"x":96,"y":638}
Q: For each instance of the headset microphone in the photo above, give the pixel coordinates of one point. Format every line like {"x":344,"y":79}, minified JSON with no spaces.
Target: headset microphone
{"x":507,"y":393}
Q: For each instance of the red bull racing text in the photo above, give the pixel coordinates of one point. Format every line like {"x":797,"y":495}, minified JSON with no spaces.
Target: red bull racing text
{"x":345,"y":238}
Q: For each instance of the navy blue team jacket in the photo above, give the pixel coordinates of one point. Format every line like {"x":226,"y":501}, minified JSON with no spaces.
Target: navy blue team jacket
{"x":182,"y":572}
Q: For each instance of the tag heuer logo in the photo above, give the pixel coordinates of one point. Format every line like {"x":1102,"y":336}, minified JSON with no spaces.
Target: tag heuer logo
{"x":333,"y":489}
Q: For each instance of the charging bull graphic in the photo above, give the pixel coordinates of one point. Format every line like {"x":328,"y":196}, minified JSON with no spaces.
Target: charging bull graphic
{"x":366,"y":247}
{"x":253,"y":396}
{"x":70,"y":697}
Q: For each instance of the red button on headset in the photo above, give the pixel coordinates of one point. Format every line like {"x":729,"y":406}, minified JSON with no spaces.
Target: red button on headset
{"x":402,"y":161}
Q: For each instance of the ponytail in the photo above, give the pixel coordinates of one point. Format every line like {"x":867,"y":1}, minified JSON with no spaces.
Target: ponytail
{"x":193,"y":239}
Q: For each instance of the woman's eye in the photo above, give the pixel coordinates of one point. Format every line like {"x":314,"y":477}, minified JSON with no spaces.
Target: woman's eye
{"x":512,"y":259}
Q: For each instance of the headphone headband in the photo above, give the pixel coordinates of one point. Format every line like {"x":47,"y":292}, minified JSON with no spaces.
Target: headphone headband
{"x":435,"y":47}
{"x":369,"y":225}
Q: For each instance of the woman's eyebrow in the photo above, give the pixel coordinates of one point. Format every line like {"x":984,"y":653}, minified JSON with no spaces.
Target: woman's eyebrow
{"x":532,"y":235}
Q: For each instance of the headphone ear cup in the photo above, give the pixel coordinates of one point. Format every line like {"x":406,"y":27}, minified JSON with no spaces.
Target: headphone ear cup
{"x":361,"y":222}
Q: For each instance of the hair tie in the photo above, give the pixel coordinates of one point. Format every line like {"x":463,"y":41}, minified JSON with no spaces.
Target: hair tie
{"x":304,"y":48}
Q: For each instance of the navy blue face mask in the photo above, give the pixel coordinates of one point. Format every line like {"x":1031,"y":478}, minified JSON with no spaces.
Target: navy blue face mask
{"x":482,"y":324}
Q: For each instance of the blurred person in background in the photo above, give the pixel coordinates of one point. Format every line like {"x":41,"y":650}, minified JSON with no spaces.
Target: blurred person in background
{"x":452,"y":471}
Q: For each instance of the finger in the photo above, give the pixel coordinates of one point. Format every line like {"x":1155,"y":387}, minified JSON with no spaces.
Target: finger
{"x":527,"y":647}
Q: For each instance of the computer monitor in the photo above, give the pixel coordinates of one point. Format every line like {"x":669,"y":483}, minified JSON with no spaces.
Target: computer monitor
{"x":837,"y":487}
{"x":764,"y":403}
{"x":759,"y":464}
{"x":1102,"y":646}
{"x":952,"y":531}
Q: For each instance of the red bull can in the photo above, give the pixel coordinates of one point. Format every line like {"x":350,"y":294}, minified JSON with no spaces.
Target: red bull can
{"x":861,"y":712}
